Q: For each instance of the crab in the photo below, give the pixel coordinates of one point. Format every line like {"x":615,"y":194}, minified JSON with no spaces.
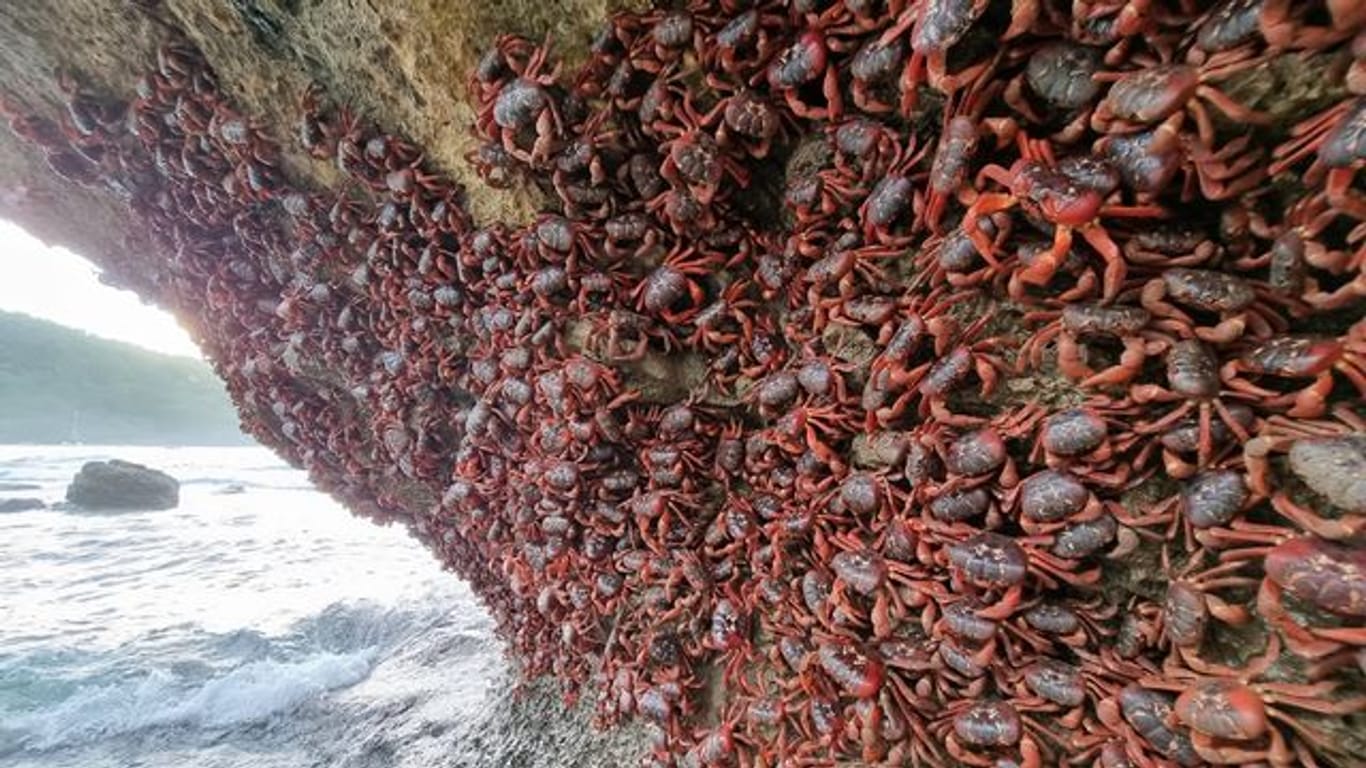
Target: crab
{"x":1244,"y":309}
{"x":1079,"y":440}
{"x":1229,"y":32}
{"x":1338,"y":135}
{"x":1183,"y":439}
{"x":952,"y":259}
{"x":963,"y":129}
{"x":726,"y":320}
{"x":506,"y":59}
{"x":1149,"y":160}
{"x":1232,"y":715}
{"x":686,"y":215}
{"x":845,"y":266}
{"x":1328,"y":576}
{"x":1164,"y":94}
{"x":995,"y":568}
{"x":1193,"y":380}
{"x":865,"y":151}
{"x":1075,"y":323}
{"x":1143,"y":721}
{"x":1050,"y":500}
{"x":981,"y":456}
{"x":693,"y":160}
{"x":875,"y":69}
{"x":1175,"y":245}
{"x":672,"y":34}
{"x":951,"y":370}
{"x":526,"y":109}
{"x":898,"y":369}
{"x":743,"y":47}
{"x":935,"y":27}
{"x":804,"y":62}
{"x":1300,"y":357}
{"x":748,"y":121}
{"x":1060,"y":75}
{"x":671,"y":291}
{"x":885,"y":213}
{"x":1191,"y":601}
{"x":876,"y":579}
{"x":1070,"y":196}
{"x":988,"y":733}
{"x":1329,"y":463}
{"x":1303,"y":242}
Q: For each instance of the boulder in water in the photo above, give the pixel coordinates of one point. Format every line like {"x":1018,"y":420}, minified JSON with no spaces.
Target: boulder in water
{"x":20,"y":505}
{"x":116,"y":484}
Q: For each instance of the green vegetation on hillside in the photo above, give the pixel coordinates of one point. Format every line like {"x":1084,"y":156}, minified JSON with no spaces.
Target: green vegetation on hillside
{"x":61,"y":385}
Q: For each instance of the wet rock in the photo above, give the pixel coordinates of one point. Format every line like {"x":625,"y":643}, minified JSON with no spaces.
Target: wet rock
{"x":20,"y":505}
{"x":119,"y":484}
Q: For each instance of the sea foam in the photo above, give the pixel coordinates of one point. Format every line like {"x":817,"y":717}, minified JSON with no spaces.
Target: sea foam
{"x":250,"y":693}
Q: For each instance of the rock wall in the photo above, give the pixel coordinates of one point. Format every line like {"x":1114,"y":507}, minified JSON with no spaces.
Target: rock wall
{"x":403,"y":64}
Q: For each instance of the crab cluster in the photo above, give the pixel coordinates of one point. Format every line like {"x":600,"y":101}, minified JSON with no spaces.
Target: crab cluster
{"x":980,"y":437}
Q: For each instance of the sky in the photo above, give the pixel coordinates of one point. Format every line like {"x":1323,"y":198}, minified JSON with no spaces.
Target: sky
{"x":56,"y":284}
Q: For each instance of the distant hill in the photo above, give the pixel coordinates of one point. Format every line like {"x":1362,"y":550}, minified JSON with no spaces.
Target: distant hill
{"x":61,"y":385}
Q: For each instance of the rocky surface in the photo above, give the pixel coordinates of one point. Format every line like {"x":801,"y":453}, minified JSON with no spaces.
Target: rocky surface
{"x":118,"y":484}
{"x":401,"y":65}
{"x":21,"y":505}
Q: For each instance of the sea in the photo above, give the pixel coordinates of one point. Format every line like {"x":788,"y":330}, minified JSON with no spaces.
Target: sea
{"x":257,"y":625}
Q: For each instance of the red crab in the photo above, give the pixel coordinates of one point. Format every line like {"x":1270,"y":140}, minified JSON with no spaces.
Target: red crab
{"x":1071,"y":196}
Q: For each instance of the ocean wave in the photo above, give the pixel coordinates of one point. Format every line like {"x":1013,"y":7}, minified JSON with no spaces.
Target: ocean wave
{"x":215,"y":680}
{"x":220,"y":480}
{"x":251,"y":693}
{"x":115,"y":664}
{"x":280,"y":484}
{"x":345,"y":626}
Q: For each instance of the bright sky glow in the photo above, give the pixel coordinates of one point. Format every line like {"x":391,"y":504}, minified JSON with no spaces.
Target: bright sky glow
{"x":56,"y":284}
